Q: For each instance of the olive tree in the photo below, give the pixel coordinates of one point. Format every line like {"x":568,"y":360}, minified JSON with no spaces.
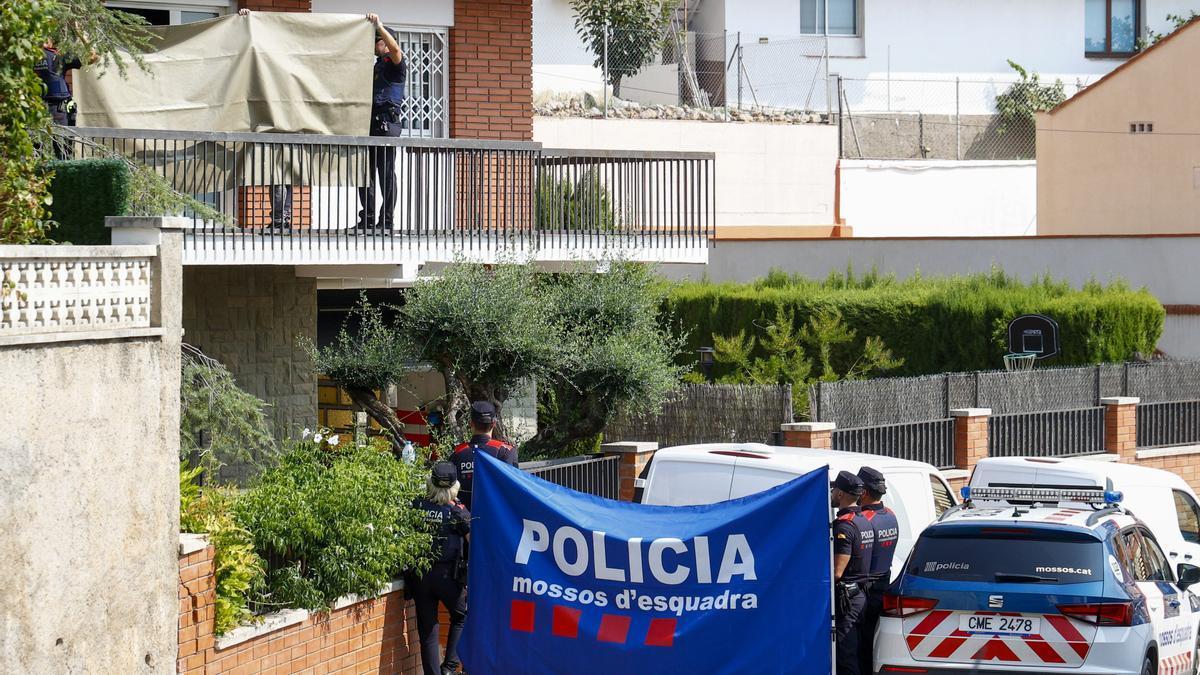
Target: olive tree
{"x":624,"y":35}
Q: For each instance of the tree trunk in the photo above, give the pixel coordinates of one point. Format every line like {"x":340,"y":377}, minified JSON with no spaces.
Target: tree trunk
{"x":380,"y":412}
{"x":581,"y":415}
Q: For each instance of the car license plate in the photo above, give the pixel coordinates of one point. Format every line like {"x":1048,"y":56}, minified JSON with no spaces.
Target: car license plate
{"x":999,"y":625}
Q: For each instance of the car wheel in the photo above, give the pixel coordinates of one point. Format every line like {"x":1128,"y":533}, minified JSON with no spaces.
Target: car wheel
{"x":1148,"y":666}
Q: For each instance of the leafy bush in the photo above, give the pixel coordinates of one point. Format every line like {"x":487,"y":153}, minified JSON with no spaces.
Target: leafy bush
{"x":233,"y":419}
{"x":24,"y":184}
{"x":238,"y":569}
{"x":933,"y":325}
{"x":1025,"y":97}
{"x":333,"y":521}
{"x":582,"y":204}
{"x":85,"y":191}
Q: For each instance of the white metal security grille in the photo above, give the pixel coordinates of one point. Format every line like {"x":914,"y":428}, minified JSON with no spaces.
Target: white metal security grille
{"x":426,"y":109}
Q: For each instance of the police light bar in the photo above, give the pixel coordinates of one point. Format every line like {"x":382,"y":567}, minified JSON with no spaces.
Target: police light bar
{"x":1041,"y":495}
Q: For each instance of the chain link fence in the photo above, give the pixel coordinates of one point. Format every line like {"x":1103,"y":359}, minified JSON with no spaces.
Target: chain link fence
{"x":677,"y":74}
{"x":710,"y":413}
{"x":884,"y":118}
{"x":899,"y":400}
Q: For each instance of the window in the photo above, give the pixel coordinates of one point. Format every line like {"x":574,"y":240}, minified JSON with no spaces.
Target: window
{"x":168,"y":13}
{"x":942,"y":500}
{"x":1008,"y":555}
{"x":1146,"y":560}
{"x":829,"y":17}
{"x":1111,"y":27}
{"x":1188,"y":513}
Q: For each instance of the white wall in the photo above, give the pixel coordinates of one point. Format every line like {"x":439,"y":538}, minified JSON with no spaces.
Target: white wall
{"x":767,"y":174}
{"x":438,"y":13}
{"x":939,"y":198}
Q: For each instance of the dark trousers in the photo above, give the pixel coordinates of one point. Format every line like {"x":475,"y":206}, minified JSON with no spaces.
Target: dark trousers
{"x":846,"y":631}
{"x":438,"y":586}
{"x":866,"y":634}
{"x":381,"y":174}
{"x":281,"y":206}
{"x":63,"y":114}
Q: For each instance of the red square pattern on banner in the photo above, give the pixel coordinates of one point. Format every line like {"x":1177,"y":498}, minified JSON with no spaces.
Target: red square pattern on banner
{"x":661,"y":633}
{"x":613,"y":628}
{"x":521,"y":616}
{"x":566,"y":622}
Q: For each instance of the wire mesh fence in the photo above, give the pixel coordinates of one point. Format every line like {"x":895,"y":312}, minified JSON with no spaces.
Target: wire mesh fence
{"x":668,"y":72}
{"x":899,"y":400}
{"x":710,"y":413}
{"x":886,"y":118}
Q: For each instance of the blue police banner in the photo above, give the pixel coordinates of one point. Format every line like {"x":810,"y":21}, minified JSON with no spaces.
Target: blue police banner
{"x":563,"y":582}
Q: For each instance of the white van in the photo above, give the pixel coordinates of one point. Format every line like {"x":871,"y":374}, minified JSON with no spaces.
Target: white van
{"x":708,"y":473}
{"x":1160,"y":499}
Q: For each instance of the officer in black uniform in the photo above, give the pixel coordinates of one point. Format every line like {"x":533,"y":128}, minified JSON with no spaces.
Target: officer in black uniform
{"x":56,"y":93}
{"x":387,"y":94}
{"x":483,"y":423}
{"x":887,"y":530}
{"x":446,"y":580}
{"x":852,"y":549}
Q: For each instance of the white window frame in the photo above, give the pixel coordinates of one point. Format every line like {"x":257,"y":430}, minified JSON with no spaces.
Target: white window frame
{"x":859,"y":8}
{"x":176,"y":9}
{"x":434,"y":122}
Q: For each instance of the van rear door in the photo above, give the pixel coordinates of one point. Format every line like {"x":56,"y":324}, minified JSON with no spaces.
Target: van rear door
{"x":687,"y":482}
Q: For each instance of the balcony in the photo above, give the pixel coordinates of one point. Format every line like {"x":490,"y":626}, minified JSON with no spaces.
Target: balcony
{"x":455,"y":199}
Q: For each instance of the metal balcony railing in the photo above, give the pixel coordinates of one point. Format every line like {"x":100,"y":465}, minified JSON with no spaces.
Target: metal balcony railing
{"x":290,"y":191}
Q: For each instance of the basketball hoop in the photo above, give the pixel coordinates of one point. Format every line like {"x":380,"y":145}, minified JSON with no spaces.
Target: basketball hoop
{"x":1019,"y":362}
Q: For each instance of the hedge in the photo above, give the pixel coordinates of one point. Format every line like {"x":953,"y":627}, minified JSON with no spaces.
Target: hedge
{"x":85,"y":191}
{"x":935,"y":325}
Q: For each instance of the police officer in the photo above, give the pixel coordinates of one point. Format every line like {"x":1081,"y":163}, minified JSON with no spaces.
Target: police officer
{"x":887,"y":530}
{"x":483,"y":422}
{"x":852,"y":551}
{"x":446,"y":580}
{"x":387,"y":94}
{"x":56,"y":93}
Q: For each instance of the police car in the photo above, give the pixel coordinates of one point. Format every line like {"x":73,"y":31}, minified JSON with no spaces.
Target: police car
{"x":1039,"y":580}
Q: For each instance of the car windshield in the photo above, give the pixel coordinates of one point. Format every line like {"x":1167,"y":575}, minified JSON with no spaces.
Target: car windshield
{"x":1007,"y":555}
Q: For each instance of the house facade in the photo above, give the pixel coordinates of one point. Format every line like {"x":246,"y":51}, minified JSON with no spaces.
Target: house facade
{"x":472,"y":185}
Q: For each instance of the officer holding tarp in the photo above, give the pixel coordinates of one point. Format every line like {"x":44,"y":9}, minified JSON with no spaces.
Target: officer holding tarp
{"x":853,"y":545}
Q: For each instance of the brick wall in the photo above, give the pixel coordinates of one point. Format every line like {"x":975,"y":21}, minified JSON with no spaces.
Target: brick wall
{"x":249,"y":318}
{"x":276,"y":5}
{"x":375,"y":636}
{"x":491,"y":70}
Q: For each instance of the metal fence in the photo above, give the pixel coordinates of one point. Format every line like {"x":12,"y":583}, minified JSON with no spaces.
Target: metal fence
{"x":931,"y":442}
{"x":710,"y":413}
{"x":591,"y":474}
{"x":899,"y":400}
{"x":886,"y":118}
{"x":1059,"y":433}
{"x":275,"y":191}
{"x":1171,"y":423}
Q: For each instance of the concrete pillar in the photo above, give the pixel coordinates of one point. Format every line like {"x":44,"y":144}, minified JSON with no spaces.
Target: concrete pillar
{"x":970,"y":436}
{"x":808,"y":435}
{"x":634,"y":458}
{"x":1120,"y":426}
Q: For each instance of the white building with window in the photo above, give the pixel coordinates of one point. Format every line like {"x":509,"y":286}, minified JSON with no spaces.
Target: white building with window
{"x":797,"y":42}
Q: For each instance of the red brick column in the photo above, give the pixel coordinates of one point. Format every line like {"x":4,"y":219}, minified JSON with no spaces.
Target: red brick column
{"x":491,"y":69}
{"x":970,"y":436}
{"x":808,"y":435}
{"x":1120,"y":426}
{"x":634,"y":458}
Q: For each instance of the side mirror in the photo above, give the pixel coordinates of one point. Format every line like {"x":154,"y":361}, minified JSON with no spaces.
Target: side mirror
{"x":1189,"y":575}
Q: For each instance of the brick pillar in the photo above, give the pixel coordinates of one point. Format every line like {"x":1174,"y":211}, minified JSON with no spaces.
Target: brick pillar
{"x":1120,"y":426}
{"x":197,"y":604}
{"x":808,"y":435}
{"x":970,"y":436}
{"x":491,"y":70}
{"x":634,"y":458}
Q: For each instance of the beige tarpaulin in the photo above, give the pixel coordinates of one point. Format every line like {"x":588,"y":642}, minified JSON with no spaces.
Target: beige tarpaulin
{"x":271,"y":72}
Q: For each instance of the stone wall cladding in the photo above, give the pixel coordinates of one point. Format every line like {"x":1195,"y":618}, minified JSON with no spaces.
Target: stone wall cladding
{"x":250,"y":318}
{"x":491,"y":70}
{"x":375,"y":636}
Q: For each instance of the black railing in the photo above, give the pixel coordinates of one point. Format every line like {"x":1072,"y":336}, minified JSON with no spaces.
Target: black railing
{"x":1172,"y":423}
{"x":591,"y":474}
{"x":931,"y":442}
{"x":1059,"y":433}
{"x":280,"y":191}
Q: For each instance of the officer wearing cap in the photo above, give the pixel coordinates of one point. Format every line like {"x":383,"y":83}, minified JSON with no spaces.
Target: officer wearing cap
{"x":483,"y":422}
{"x":852,"y":551}
{"x":887,"y":530}
{"x":446,"y":580}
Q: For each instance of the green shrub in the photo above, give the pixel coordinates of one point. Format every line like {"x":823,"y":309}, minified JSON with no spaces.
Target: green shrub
{"x":582,"y":204}
{"x":233,"y":419}
{"x":23,"y":121}
{"x":333,"y":521}
{"x":933,"y":325}
{"x":238,"y":569}
{"x":85,"y":191}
